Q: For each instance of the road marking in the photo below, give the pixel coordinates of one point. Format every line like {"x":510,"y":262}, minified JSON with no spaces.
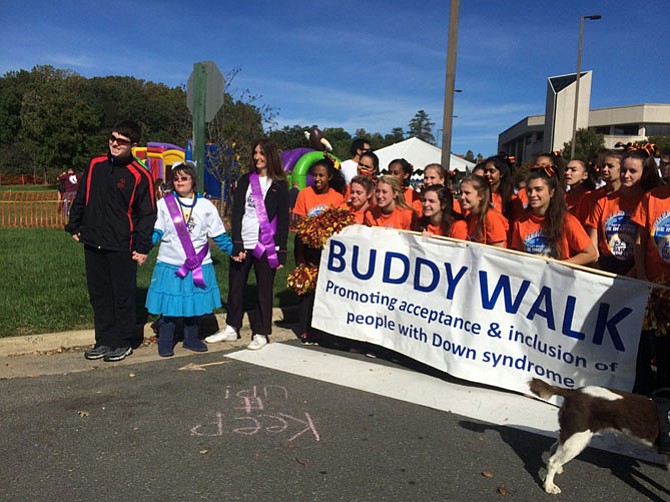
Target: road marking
{"x":489,"y":405}
{"x":200,"y":367}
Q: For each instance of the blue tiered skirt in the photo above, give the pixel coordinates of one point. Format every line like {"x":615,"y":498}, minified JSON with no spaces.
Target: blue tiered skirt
{"x":173,"y":296}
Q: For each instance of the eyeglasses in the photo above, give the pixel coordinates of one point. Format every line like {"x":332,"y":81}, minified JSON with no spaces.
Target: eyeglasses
{"x":119,"y":141}
{"x":182,"y":178}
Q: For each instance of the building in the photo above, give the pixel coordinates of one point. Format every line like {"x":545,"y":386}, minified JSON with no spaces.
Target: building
{"x":542,"y":133}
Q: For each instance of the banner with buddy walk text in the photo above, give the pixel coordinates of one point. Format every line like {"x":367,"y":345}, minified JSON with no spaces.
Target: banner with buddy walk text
{"x":480,"y":313}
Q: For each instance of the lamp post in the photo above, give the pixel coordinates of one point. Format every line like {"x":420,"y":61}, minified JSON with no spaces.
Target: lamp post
{"x":593,"y":17}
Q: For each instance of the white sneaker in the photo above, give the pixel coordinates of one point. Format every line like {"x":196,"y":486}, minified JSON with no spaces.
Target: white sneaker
{"x":229,"y":334}
{"x":258,"y":342}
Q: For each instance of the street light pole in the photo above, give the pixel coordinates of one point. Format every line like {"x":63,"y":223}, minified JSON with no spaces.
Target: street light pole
{"x":593,"y":17}
{"x":450,"y":83}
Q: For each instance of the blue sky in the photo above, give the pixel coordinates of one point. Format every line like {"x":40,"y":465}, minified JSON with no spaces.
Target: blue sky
{"x":359,"y":64}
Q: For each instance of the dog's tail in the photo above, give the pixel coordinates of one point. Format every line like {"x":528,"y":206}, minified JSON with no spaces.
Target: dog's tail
{"x":545,"y":391}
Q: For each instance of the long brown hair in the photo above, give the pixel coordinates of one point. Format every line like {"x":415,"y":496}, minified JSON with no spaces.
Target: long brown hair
{"x":553,"y":226}
{"x":398,"y":196}
{"x":275,"y":167}
{"x":446,"y":206}
{"x":483,"y":189}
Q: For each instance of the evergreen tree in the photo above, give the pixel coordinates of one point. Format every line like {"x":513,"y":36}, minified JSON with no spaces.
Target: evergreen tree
{"x":421,"y":127}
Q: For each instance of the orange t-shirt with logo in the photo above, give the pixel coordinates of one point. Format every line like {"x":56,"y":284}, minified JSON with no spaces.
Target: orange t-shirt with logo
{"x":653,"y":213}
{"x":310,"y":203}
{"x":527,"y":236}
{"x":611,"y":216}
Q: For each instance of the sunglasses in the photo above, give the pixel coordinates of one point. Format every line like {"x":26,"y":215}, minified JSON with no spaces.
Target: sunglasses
{"x":119,"y":141}
{"x":182,"y":178}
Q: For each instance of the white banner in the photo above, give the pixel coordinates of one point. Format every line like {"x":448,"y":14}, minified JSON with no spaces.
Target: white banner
{"x":480,"y":313}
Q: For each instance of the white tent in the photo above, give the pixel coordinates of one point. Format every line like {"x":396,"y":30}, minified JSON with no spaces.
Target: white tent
{"x":419,"y":154}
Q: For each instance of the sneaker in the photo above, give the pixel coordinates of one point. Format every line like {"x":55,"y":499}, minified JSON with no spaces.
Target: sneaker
{"x":97,"y":352}
{"x":229,"y":334}
{"x":258,"y":342}
{"x":118,"y":354}
{"x":307,"y":339}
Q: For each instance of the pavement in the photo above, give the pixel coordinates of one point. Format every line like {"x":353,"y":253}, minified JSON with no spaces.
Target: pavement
{"x":31,"y":356}
{"x":62,"y":354}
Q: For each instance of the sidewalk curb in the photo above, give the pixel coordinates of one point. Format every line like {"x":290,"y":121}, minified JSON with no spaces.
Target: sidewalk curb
{"x":30,"y":344}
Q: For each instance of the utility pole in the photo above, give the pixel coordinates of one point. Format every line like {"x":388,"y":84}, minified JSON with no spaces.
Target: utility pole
{"x":449,"y":86}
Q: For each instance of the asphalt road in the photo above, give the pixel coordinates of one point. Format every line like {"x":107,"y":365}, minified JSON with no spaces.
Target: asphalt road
{"x":148,"y":430}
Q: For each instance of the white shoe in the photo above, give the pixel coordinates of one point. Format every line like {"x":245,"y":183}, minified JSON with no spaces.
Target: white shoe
{"x":258,"y":342}
{"x":229,"y":334}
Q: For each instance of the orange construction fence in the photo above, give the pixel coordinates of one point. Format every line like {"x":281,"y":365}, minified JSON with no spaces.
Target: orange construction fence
{"x":33,"y":209}
{"x":37,"y":209}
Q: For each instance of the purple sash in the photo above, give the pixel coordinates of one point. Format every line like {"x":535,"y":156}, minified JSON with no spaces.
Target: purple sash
{"x":193,"y":261}
{"x":266,"y":241}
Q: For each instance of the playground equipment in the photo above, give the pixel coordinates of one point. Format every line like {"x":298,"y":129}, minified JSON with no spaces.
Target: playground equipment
{"x":159,"y":156}
{"x":298,"y":160}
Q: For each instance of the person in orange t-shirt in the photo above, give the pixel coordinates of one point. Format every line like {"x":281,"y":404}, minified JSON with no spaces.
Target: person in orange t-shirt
{"x":580,"y":181}
{"x":312,"y":201}
{"x":368,"y":166}
{"x":361,"y":189}
{"x":548,"y":229}
{"x":434,"y":174}
{"x":485,"y":224}
{"x":317,"y":198}
{"x":498,"y":173}
{"x":391,"y":210}
{"x":652,"y":216}
{"x":652,"y":260}
{"x":402,"y":170}
{"x":610,"y":174}
{"x":438,"y":217}
{"x":610,"y":225}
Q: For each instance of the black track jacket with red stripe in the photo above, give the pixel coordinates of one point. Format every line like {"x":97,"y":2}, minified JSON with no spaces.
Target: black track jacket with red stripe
{"x":115,"y":207}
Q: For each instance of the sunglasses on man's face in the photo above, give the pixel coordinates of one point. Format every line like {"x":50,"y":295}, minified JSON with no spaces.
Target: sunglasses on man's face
{"x":119,"y":141}
{"x":181,"y":178}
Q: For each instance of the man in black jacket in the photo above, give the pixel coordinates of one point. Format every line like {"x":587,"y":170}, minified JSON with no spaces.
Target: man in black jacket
{"x":113,"y":216}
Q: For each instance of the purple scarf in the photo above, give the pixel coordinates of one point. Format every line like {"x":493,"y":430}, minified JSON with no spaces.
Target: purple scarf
{"x":193,"y":261}
{"x":266,"y":241}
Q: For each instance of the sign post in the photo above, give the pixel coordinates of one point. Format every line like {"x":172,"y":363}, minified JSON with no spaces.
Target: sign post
{"x":204,"y":97}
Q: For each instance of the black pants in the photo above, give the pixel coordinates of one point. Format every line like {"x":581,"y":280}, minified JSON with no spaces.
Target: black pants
{"x":111,"y":278}
{"x":261,"y":323}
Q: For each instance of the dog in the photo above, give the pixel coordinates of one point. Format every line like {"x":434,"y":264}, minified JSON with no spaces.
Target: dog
{"x":588,"y":410}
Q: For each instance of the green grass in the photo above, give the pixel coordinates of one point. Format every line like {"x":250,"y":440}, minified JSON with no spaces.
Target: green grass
{"x":28,"y":188}
{"x":44,"y":284}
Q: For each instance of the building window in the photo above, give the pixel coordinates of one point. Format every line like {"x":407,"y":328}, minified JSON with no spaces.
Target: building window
{"x":626,"y":129}
{"x":658,"y":129}
{"x":602,"y":130}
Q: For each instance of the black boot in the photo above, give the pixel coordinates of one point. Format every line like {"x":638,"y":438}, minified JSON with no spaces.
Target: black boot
{"x":191,"y":340}
{"x":166,"y":338}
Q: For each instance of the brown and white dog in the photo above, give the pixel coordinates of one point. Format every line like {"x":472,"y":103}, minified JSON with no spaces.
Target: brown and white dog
{"x":588,"y":410}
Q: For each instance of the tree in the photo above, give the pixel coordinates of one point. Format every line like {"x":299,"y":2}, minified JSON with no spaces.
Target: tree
{"x":289,"y":137}
{"x":586,"y":145}
{"x":233,"y":132}
{"x":470,"y":156}
{"x":340,"y":140}
{"x":662,"y":142}
{"x":396,"y":136}
{"x":56,"y":121}
{"x":421,"y":127}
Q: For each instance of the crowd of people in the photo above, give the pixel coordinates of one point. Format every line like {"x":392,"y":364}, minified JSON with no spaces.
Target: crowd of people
{"x":611,"y":213}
